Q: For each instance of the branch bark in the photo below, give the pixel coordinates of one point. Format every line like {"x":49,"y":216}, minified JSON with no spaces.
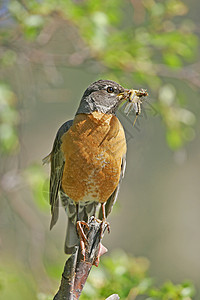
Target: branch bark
{"x":76,"y":269}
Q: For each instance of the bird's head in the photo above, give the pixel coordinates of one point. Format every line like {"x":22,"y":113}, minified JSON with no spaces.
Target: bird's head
{"x":102,"y":96}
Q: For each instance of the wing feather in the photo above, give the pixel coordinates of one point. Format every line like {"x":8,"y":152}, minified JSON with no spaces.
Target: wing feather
{"x":57,"y":166}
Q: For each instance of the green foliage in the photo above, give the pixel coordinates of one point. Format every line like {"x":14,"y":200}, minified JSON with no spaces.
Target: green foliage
{"x":135,"y":47}
{"x":36,"y":178}
{"x":128,"y":277}
{"x":117,"y":273}
{"x":178,"y":120}
{"x":153,"y":47}
{"x":170,"y":291}
{"x":9,"y":119}
{"x":15,"y":283}
{"x":42,"y":296}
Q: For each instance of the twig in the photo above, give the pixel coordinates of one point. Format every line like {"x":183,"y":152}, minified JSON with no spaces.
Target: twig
{"x":76,"y":269}
{"x":113,"y":297}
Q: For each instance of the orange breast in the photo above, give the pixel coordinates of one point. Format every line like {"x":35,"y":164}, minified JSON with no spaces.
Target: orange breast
{"x":93,"y":148}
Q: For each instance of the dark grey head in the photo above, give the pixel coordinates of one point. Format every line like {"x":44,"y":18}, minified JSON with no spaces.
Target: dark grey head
{"x":102,"y":96}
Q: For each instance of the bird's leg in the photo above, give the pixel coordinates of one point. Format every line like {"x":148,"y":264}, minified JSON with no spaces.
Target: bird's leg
{"x":103,"y":211}
{"x":102,"y":249}
{"x":104,"y":218}
{"x":81,"y":233}
{"x":82,"y":236}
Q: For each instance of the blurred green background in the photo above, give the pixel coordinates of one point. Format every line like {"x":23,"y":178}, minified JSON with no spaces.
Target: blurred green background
{"x":50,"y":51}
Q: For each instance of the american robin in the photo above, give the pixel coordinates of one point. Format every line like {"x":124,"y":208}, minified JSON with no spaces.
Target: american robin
{"x":88,"y":158}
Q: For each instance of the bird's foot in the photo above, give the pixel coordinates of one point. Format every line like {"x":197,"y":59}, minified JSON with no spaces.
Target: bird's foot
{"x":103,"y":222}
{"x":104,"y":225}
{"x":83,"y":239}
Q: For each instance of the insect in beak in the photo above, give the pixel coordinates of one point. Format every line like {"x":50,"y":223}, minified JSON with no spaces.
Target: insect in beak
{"x":134,"y":100}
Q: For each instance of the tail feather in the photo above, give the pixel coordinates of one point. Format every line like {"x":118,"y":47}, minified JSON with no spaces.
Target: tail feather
{"x":71,"y":237}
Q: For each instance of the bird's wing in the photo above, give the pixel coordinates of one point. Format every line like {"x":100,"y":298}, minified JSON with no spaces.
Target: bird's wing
{"x":57,"y":166}
{"x":112,"y":199}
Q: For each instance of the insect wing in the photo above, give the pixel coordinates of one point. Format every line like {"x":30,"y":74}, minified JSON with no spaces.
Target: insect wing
{"x":128,"y":108}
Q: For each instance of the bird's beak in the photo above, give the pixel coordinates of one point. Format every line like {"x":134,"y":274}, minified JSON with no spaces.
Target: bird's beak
{"x":124,"y":95}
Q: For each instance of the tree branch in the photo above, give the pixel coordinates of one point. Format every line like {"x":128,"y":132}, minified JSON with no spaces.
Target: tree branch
{"x":76,"y":269}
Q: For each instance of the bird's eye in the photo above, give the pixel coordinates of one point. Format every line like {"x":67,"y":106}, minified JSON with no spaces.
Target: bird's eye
{"x":110,"y":89}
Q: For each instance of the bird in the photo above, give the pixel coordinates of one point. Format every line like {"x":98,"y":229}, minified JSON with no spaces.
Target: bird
{"x":88,"y":159}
